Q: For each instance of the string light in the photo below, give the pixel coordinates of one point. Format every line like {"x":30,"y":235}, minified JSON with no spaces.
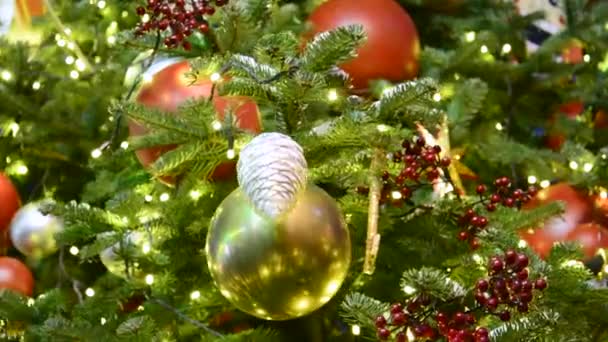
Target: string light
{"x":216,"y":125}
{"x":89,"y":292}
{"x":195,"y":295}
{"x":69,"y":60}
{"x":436,"y":97}
{"x":124,"y":14}
{"x":573,"y":165}
{"x":71,"y":46}
{"x":195,"y":194}
{"x":587,"y":58}
{"x":545,"y":184}
{"x":396,"y":195}
{"x":164,"y":197}
{"x":499,"y":126}
{"x":356,"y":330}
{"x":22,"y":170}
{"x":522,"y":244}
{"x":470,"y":36}
{"x":96,"y":153}
{"x":604,"y":156}
{"x":61,"y":42}
{"x":149,"y":279}
{"x":111,"y":40}
{"x":382,"y":128}
{"x":506,"y":48}
{"x":145,"y":18}
{"x":484,"y":49}
{"x":148,"y":198}
{"x":74,"y":74}
{"x":74,"y":250}
{"x":332,"y":95}
{"x":408,"y":290}
{"x":6,"y":75}
{"x":532,"y":179}
{"x":124,"y":145}
{"x":67,"y":31}
{"x":103,"y":321}
{"x":146,"y":248}
{"x":31,"y":302}
{"x":101,"y":4}
{"x":215,"y":77}
{"x":36,"y":85}
{"x":14,"y":128}
{"x":231,"y":154}
{"x":587,"y":167}
{"x":603,"y":194}
{"x":80,"y":65}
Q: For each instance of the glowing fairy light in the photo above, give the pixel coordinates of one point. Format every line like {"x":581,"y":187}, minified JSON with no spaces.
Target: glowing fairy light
{"x":532,"y":179}
{"x":216,"y":125}
{"x":36,"y":85}
{"x":195,"y":295}
{"x":230,"y":154}
{"x":96,"y":153}
{"x":587,"y":167}
{"x":69,"y":60}
{"x":436,"y":97}
{"x":484,"y":49}
{"x":148,"y":198}
{"x":506,"y":48}
{"x":6,"y":75}
{"x":149,"y":279}
{"x":89,"y":292}
{"x":545,"y":184}
{"x":215,"y":77}
{"x":332,"y":95}
{"x":356,"y":330}
{"x":470,"y":36}
{"x":74,"y":250}
{"x":499,"y":126}
{"x":164,"y":197}
{"x":573,"y":165}
{"x":124,"y":145}
{"x":74,"y":74}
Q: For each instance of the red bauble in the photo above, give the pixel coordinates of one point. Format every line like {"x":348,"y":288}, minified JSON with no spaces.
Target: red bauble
{"x":169,"y":89}
{"x":578,"y":208}
{"x":9,"y":201}
{"x":591,"y":237}
{"x":571,"y":110}
{"x":392,"y":48}
{"x":14,"y":275}
{"x":601,"y":119}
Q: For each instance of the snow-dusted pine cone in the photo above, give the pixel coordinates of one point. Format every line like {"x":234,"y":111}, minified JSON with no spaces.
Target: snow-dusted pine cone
{"x":271,"y":171}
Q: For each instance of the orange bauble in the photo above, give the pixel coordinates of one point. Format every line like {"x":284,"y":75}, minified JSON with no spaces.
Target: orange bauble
{"x":392,"y":48}
{"x":169,"y":89}
{"x":9,"y":201}
{"x":14,"y":275}
{"x":590,"y":236}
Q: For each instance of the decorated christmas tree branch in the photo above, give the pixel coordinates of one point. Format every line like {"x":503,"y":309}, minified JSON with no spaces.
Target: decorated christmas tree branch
{"x":185,"y":317}
{"x":375,"y":191}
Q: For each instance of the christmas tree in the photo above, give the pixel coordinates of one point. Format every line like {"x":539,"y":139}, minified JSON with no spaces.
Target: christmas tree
{"x":339,"y":170}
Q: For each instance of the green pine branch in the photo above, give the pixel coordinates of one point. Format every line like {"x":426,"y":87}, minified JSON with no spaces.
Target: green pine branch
{"x":332,"y":48}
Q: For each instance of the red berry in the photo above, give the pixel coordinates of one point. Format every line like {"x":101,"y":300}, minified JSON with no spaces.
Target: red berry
{"x":492,"y":303}
{"x":508,"y":202}
{"x":397,"y":307}
{"x":516,"y":285}
{"x":399,"y":318}
{"x":482,"y":285}
{"x":491,"y":207}
{"x":410,"y":158}
{"x":469,"y":213}
{"x":413,"y":306}
{"x":470,"y":318}
{"x":483,"y":222}
{"x":523,"y":274}
{"x":482,"y":332}
{"x":429,"y":157}
{"x":480,"y":298}
{"x":406,"y":192}
{"x":141,"y":11}
{"x":400,"y":180}
{"x":505,"y":316}
{"x":500,"y":284}
{"x":540,"y":284}
{"x":437,"y":149}
{"x":406,"y":144}
{"x":384,"y":333}
{"x":441,"y":317}
{"x":510,"y":256}
{"x":522,"y":307}
{"x":481,"y":189}
{"x":385,"y":175}
{"x":525,"y":297}
{"x":204,"y":27}
{"x":420,"y":142}
{"x":475,"y":244}
{"x":459,"y":317}
{"x":522,"y":261}
{"x":210,"y":10}
{"x":446,"y":161}
{"x":496,"y":265}
{"x":463,"y":236}
{"x":475,"y":220}
{"x":532,"y":191}
{"x":495,"y":198}
{"x":187,"y":46}
{"x":526,"y":285}
{"x":517,"y":194}
{"x":401,"y":337}
{"x":432,"y":174}
{"x":380,"y":322}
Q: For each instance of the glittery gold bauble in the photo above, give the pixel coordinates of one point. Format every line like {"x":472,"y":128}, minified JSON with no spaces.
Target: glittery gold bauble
{"x":33,"y":233}
{"x":284,"y":268}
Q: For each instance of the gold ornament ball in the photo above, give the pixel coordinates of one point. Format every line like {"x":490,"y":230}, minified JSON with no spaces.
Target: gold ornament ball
{"x":279,"y":269}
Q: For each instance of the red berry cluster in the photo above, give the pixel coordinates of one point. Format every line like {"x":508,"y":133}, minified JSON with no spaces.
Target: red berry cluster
{"x":419,"y":161}
{"x":472,"y":222}
{"x":509,"y":286}
{"x":417,"y":316}
{"x":181,"y":17}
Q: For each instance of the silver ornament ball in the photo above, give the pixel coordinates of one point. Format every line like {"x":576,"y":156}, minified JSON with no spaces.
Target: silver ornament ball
{"x":283,"y":268}
{"x":33,"y":233}
{"x":132,"y":247}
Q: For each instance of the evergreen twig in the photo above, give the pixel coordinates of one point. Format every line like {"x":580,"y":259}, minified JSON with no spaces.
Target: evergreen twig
{"x":185,"y":317}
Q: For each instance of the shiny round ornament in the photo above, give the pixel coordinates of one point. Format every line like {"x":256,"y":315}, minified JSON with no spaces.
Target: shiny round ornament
{"x":392,"y":48}
{"x":283,"y":268}
{"x":9,"y":201}
{"x":16,"y":276}
{"x":132,"y":247}
{"x":33,"y":233}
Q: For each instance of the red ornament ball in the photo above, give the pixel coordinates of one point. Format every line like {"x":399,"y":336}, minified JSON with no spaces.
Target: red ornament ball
{"x":392,"y":48}
{"x":15,"y":276}
{"x":169,"y":89}
{"x":571,"y":110}
{"x":578,"y":208}
{"x":9,"y":201}
{"x":591,"y":237}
